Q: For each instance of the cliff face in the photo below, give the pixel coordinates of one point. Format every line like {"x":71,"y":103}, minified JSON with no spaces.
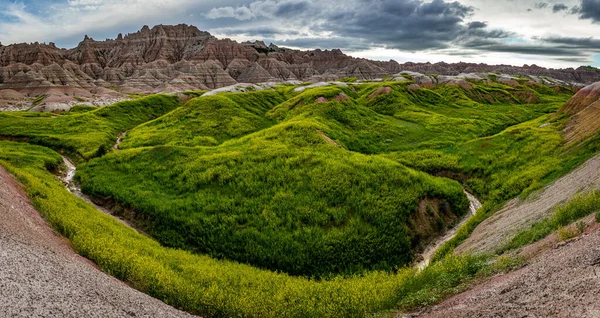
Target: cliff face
{"x":182,"y":57}
{"x":584,"y":113}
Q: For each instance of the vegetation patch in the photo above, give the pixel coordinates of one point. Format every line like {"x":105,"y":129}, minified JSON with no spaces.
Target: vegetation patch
{"x":82,"y":135}
{"x":309,"y":212}
{"x":207,"y":121}
{"x":578,"y":207}
{"x":219,"y":288}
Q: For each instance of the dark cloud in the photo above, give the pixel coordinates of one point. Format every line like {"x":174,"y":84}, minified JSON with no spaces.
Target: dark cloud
{"x":551,"y":46}
{"x":529,"y":49}
{"x":574,"y":43}
{"x":559,"y":7}
{"x":406,"y":24}
{"x":292,"y":8}
{"x":589,"y":9}
{"x":259,"y":31}
{"x":325,"y":43}
{"x":477,"y":25}
{"x":580,"y":60}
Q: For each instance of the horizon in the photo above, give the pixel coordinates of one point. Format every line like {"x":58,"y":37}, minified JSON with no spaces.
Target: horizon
{"x":551,"y":34}
{"x":286,"y":47}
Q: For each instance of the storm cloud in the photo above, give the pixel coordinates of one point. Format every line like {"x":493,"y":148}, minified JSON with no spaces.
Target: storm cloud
{"x":487,"y":31}
{"x":589,"y":9}
{"x":409,"y":25}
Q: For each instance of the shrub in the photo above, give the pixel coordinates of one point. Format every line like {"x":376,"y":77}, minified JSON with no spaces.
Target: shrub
{"x":566,"y":233}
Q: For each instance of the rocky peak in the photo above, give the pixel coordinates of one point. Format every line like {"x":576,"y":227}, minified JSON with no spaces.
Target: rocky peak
{"x":182,"y":57}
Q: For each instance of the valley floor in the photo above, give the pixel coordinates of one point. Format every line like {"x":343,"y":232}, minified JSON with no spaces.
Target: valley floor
{"x":43,"y":277}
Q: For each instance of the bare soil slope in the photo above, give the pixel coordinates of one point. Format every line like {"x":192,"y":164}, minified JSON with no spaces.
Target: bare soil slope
{"x":519,"y":214}
{"x":41,"y":276}
{"x":564,"y":282}
{"x":584,"y":109}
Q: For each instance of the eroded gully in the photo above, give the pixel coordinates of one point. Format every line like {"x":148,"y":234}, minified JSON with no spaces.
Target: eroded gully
{"x":429,"y":252}
{"x":68,"y":180}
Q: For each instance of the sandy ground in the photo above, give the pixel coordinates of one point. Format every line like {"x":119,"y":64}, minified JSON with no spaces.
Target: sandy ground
{"x":41,"y":276}
{"x":519,"y":214}
{"x":563,"y":282}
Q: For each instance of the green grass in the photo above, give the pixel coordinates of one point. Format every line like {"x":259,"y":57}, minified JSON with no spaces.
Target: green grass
{"x":279,"y":182}
{"x":580,"y":206}
{"x":87,"y":134}
{"x":305,"y":211}
{"x":406,"y":120}
{"x":81,"y":109}
{"x":207,"y":121}
{"x":540,"y":163}
{"x":219,"y":288}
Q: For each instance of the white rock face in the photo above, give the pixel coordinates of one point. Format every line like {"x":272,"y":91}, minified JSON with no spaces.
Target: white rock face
{"x":320,"y":84}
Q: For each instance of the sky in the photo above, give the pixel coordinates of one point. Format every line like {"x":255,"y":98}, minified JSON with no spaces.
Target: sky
{"x":550,"y":33}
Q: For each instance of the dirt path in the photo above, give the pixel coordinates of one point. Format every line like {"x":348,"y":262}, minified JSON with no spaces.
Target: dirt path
{"x":119,"y":139}
{"x":41,"y":276}
{"x":519,"y":214}
{"x":474,"y":205}
{"x":69,"y":183}
{"x":564,"y":282}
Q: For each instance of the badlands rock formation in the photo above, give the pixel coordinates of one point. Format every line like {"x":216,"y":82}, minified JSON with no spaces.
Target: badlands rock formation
{"x":169,"y":58}
{"x":584,"y":113}
{"x":181,"y":57}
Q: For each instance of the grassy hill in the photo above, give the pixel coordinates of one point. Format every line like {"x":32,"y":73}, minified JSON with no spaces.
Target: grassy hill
{"x":207,"y":121}
{"x":84,"y":134}
{"x":310,"y":188}
{"x":293,"y":203}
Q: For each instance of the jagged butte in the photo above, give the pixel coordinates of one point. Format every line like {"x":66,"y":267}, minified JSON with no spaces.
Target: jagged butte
{"x":181,"y":57}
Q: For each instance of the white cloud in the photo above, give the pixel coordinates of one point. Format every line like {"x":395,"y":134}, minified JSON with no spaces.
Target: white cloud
{"x":67,"y":21}
{"x":239,"y":13}
{"x":76,"y":17}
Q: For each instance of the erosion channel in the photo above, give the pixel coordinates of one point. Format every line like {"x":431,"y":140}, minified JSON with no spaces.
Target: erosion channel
{"x":429,"y":252}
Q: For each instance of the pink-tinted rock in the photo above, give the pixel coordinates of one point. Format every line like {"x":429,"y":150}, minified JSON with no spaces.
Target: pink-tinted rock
{"x":380,"y":91}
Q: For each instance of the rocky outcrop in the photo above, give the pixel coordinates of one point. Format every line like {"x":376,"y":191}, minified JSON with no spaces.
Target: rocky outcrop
{"x":584,"y":111}
{"x":254,"y":73}
{"x":181,"y":57}
{"x":581,"y":75}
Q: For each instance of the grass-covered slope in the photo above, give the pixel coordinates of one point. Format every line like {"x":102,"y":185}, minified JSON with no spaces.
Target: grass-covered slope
{"x":219,"y":288}
{"x":317,"y":183}
{"x":304,"y":211}
{"x":298,"y":196}
{"x":207,"y":121}
{"x":85,"y":134}
{"x":387,"y":117}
